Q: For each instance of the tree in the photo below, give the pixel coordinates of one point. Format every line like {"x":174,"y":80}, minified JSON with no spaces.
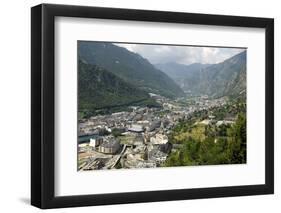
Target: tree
{"x":238,"y":133}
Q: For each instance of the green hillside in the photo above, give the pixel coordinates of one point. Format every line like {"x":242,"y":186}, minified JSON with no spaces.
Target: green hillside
{"x":129,"y":66}
{"x":103,"y":92}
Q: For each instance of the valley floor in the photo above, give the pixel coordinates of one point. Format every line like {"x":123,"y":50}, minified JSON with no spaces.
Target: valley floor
{"x":182,"y":132}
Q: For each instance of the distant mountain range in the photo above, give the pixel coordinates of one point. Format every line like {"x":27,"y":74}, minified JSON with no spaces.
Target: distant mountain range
{"x":227,"y":78}
{"x":186,"y":76}
{"x":128,"y":66}
{"x":111,"y":77}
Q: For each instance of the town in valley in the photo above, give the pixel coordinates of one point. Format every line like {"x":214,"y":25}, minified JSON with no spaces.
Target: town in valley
{"x":139,"y":138}
{"x":134,"y":114}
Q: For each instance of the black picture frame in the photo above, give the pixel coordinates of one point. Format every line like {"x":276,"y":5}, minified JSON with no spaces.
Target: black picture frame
{"x":43,"y":111}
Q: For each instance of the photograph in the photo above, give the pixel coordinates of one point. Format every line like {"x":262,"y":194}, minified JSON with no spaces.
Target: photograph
{"x":160,"y":105}
{"x":134,"y":105}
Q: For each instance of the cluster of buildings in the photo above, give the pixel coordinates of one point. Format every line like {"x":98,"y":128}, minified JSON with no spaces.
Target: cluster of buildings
{"x":137,"y":138}
{"x":211,"y":120}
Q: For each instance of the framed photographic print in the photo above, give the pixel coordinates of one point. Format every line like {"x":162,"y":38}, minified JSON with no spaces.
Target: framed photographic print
{"x":140,"y":106}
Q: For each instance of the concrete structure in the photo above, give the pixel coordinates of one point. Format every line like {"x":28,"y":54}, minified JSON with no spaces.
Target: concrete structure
{"x":153,"y":125}
{"x":224,"y":122}
{"x":205,"y":122}
{"x":157,"y":156}
{"x":109,"y":145}
{"x":94,"y":142}
{"x":159,"y":139}
{"x":136,"y":128}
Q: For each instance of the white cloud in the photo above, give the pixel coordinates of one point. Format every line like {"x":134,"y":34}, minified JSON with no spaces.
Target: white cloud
{"x":181,"y":54}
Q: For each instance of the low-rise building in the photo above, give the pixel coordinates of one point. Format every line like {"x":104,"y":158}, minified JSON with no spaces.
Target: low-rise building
{"x":153,"y":125}
{"x":94,"y":142}
{"x":110,"y":145}
{"x":136,"y":128}
{"x":159,"y":139}
{"x":225,"y":122}
{"x":157,"y":156}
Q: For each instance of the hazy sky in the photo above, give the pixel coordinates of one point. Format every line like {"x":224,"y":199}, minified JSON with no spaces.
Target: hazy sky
{"x":181,"y":54}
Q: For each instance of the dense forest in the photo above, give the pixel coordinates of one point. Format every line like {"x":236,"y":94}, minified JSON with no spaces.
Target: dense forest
{"x":102,"y":92}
